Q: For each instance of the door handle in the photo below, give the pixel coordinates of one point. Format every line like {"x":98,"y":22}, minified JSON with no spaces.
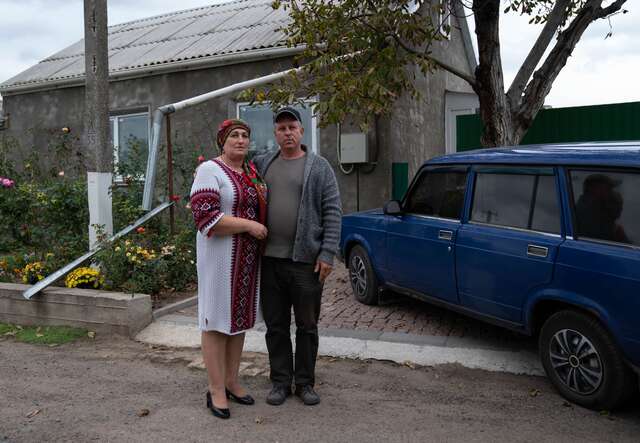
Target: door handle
{"x":445,"y":235}
{"x":537,"y":251}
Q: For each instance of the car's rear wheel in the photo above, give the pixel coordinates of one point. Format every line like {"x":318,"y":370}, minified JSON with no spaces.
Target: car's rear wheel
{"x":583,"y":362}
{"x":363,"y":279}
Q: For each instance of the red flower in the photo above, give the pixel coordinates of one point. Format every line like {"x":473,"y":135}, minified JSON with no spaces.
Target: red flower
{"x":140,"y":230}
{"x":175,"y":198}
{"x":200,"y":158}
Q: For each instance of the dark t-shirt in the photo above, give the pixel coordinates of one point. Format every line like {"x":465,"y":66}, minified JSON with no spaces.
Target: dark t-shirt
{"x":284,"y":179}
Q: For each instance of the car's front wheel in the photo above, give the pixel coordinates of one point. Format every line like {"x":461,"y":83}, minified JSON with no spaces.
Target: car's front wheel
{"x":363,"y":279}
{"x":583,"y":362}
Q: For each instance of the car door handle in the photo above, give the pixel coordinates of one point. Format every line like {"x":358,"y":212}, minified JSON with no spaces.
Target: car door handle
{"x":537,"y":251}
{"x":445,"y":235}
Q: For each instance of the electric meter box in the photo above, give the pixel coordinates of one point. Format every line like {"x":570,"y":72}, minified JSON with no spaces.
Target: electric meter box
{"x":353,"y":148}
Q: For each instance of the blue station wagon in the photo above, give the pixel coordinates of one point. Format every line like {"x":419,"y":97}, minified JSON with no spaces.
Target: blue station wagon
{"x":544,"y":240}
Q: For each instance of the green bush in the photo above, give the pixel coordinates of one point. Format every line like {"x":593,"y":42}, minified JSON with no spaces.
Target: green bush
{"x":39,"y":214}
{"x":149,"y":262}
{"x":44,"y":214}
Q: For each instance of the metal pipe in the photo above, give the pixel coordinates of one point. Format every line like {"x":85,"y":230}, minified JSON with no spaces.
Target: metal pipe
{"x":51,"y":278}
{"x":172,"y":222}
{"x":150,"y":174}
{"x":150,"y":177}
{"x":231,"y":88}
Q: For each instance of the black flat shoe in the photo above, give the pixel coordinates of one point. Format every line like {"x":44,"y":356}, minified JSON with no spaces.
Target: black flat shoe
{"x":245,"y":400}
{"x":218,"y":412}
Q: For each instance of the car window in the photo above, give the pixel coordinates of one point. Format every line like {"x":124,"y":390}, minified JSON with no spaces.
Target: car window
{"x":525,"y":201}
{"x":606,"y":205}
{"x":545,"y":216}
{"x":437,"y":193}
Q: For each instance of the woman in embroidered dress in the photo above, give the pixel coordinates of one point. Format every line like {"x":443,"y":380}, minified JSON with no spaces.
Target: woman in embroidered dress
{"x":228,"y":201}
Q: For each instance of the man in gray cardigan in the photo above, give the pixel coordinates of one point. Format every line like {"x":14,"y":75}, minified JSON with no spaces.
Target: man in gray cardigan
{"x":303,"y":221}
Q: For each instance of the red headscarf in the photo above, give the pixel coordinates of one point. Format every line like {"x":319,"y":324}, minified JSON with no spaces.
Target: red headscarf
{"x":226,"y":127}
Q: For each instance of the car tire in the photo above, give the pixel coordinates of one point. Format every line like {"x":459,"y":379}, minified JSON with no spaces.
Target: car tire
{"x":362,"y":277}
{"x":583,"y":362}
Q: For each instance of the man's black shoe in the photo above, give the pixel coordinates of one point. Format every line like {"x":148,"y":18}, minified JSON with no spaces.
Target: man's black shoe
{"x":308,"y":395}
{"x":278,"y":395}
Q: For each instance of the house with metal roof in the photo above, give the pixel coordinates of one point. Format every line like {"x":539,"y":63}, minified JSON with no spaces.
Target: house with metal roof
{"x":171,"y":57}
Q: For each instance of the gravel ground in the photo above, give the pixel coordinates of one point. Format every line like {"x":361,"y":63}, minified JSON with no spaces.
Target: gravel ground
{"x":119,"y":390}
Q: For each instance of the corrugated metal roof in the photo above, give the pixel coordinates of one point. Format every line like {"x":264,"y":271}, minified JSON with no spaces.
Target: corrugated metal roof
{"x":205,"y":32}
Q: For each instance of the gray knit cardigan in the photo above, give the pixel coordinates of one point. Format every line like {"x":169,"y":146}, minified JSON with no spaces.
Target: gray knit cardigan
{"x":320,"y":211}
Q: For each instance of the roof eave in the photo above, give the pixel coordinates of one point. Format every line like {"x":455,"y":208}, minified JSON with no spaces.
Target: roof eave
{"x":466,"y":36}
{"x":164,"y":68}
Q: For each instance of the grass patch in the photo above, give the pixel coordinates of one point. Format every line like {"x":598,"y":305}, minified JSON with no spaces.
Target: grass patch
{"x":4,"y":328}
{"x":43,"y":335}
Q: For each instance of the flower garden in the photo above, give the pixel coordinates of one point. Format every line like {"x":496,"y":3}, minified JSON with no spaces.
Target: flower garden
{"x":44,"y":215}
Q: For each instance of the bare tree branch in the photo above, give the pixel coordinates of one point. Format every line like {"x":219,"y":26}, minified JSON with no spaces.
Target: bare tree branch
{"x":543,"y":78}
{"x":612,"y":8}
{"x":455,"y":71}
{"x":427,"y":56}
{"x":556,"y":17}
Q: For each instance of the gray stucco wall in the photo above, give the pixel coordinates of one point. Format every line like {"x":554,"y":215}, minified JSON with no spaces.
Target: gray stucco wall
{"x":416,"y":129}
{"x":412,"y":133}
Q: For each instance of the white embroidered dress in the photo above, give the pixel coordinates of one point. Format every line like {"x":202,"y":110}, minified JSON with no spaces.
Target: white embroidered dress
{"x":229,"y":265}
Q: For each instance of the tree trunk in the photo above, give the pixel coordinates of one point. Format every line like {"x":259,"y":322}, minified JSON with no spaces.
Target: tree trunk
{"x":507,"y":117}
{"x":495,"y":110}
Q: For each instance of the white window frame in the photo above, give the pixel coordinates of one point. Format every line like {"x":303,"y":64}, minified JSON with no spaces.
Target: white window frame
{"x":413,"y":6}
{"x":116,"y":147}
{"x":314,"y":121}
{"x":448,"y":9}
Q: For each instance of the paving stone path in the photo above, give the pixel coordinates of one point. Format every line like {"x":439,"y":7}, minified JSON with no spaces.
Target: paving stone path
{"x":340,"y":310}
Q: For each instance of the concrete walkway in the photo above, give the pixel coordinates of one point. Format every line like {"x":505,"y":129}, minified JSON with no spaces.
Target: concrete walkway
{"x":179,"y":330}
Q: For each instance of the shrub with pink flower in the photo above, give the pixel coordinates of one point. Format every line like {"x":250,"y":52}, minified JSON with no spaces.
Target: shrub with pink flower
{"x":6,"y":182}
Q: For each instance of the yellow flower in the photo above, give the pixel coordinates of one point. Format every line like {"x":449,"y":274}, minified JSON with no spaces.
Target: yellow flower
{"x":84,"y":276}
{"x":32,"y":272}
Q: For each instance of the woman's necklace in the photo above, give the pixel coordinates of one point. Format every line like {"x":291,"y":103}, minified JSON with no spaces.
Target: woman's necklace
{"x":238,"y":170}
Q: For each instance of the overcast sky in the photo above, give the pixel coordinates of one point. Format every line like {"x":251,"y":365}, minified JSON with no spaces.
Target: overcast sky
{"x":600,"y":70}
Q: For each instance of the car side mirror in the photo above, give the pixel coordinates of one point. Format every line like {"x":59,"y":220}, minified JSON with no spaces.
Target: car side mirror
{"x":392,"y":207}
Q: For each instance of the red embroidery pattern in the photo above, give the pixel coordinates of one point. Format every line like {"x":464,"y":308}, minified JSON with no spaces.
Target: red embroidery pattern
{"x":245,"y":259}
{"x":205,"y":206}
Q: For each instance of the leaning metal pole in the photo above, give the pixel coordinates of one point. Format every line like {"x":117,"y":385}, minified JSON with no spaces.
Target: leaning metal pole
{"x":51,"y":278}
{"x":172,"y":218}
{"x":150,"y":177}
